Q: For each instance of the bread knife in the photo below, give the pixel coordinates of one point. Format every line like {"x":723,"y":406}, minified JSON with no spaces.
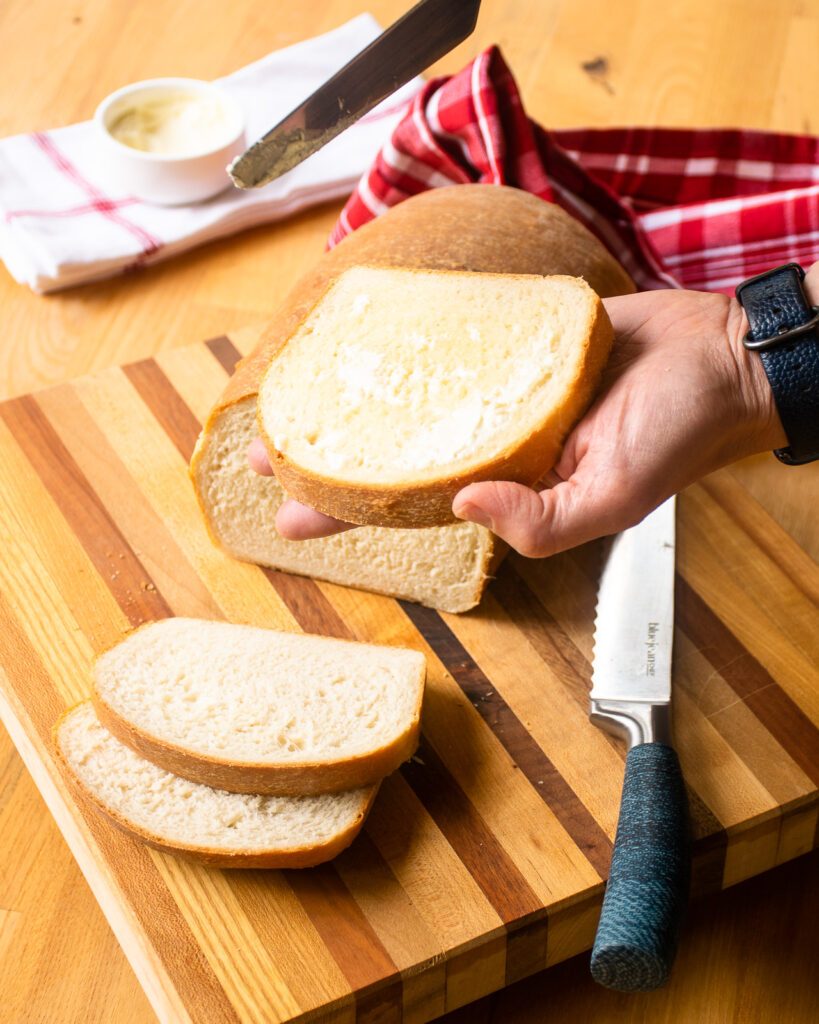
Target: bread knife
{"x":408,"y":47}
{"x":647,"y":889}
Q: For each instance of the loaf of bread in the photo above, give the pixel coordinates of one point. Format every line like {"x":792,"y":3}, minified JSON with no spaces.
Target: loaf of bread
{"x":259,"y":711}
{"x":421,"y":382}
{"x":484,"y":228}
{"x":231,"y":830}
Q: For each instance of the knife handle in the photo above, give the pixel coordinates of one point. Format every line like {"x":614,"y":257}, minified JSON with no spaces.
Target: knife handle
{"x":647,"y":890}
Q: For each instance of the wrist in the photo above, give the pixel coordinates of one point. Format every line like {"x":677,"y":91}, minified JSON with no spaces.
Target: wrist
{"x":764,"y":427}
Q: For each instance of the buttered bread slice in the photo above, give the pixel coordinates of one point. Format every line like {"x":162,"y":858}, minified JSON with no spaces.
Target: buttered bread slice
{"x":259,"y":711}
{"x":402,"y":386}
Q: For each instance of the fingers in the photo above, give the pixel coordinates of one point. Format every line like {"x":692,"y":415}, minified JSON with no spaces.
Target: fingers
{"x":298,"y":522}
{"x":293,"y":520}
{"x":257,"y":457}
{"x":541,"y":524}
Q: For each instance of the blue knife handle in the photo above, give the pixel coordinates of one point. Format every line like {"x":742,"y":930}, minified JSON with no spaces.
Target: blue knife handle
{"x":648,"y":884}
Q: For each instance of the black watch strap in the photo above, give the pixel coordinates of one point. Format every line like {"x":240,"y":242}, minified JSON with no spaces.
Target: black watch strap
{"x":784,"y":329}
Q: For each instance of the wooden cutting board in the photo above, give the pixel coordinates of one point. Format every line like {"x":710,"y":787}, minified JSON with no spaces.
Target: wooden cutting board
{"x":484,"y":858}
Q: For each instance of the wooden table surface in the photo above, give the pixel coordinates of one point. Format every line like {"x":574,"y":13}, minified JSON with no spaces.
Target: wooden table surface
{"x":748,"y":955}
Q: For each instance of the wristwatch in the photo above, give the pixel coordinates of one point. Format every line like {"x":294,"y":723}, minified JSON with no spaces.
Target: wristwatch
{"x":784,"y":330}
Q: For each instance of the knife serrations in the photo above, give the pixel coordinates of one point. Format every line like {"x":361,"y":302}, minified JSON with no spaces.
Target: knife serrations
{"x":634,"y":624}
{"x":408,"y":47}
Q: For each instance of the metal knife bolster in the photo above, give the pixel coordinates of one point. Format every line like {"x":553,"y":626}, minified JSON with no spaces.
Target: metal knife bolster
{"x":634,"y":721}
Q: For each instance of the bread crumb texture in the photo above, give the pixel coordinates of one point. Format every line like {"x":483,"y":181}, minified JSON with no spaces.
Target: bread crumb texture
{"x":185,"y":813}
{"x":259,"y":696}
{"x":441,"y":566}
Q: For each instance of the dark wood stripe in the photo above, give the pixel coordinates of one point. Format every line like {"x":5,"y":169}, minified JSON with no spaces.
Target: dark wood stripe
{"x":225,"y":352}
{"x":130,"y":862}
{"x":355,"y":946}
{"x":708,"y":864}
{"x":510,"y":731}
{"x":381,"y":1004}
{"x":462,"y":826}
{"x":553,"y":643}
{"x":470,"y":837}
{"x":166,"y":404}
{"x":526,"y":949}
{"x":343,"y":927}
{"x":545,"y":634}
{"x":749,"y":679}
{"x":308,"y":606}
{"x":113,"y":558}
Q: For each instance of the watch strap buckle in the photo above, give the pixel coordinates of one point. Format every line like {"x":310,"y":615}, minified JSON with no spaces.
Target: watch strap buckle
{"x":783,"y":334}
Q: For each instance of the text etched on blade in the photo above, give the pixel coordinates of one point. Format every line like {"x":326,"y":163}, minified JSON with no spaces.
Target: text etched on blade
{"x":651,"y":647}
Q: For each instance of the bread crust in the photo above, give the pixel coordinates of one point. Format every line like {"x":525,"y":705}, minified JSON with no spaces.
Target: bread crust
{"x":485,"y":228}
{"x":428,"y":502}
{"x":307,"y":778}
{"x":296,"y":857}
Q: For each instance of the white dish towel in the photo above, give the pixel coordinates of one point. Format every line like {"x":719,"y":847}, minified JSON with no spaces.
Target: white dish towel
{"x":61,"y":226}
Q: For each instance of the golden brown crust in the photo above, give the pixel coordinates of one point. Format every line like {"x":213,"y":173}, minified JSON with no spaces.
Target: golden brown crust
{"x":296,"y":857}
{"x":428,"y":502}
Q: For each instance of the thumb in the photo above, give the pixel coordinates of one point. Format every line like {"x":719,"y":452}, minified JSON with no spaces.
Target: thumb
{"x":541,"y":524}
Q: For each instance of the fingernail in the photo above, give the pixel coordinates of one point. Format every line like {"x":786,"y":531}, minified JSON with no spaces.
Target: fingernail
{"x":473,"y":514}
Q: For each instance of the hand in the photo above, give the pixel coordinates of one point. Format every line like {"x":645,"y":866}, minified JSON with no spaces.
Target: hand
{"x":680,"y":398}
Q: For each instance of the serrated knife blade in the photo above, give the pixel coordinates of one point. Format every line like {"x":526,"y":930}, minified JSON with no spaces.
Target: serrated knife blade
{"x":634,"y":624}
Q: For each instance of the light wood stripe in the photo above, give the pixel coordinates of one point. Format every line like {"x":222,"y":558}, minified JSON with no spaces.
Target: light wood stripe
{"x":444,"y":800}
{"x":500,"y":793}
{"x":482,"y":859}
{"x":784,"y":638}
{"x":166,"y":405}
{"x":516,"y":673}
{"x":153,"y":463}
{"x":750,"y":680}
{"x":113,"y":559}
{"x":526,"y":754}
{"x":141,"y":526}
{"x":131,"y":864}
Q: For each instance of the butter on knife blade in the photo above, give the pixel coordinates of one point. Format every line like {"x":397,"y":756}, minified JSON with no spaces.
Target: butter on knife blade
{"x":408,"y":47}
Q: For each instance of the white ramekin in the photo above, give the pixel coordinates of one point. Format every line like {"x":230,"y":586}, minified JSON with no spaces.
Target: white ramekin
{"x":160,"y":178}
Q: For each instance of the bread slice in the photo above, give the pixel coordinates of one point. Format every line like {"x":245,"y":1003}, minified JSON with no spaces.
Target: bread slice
{"x":402,"y":386}
{"x":231,"y":830}
{"x":484,"y":228}
{"x":258,"y":711}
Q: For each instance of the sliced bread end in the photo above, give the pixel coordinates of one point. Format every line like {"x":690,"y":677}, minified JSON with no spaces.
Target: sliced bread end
{"x":200,"y":823}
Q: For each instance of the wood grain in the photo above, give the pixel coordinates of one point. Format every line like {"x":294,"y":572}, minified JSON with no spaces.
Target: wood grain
{"x":747,"y":956}
{"x":512,"y":797}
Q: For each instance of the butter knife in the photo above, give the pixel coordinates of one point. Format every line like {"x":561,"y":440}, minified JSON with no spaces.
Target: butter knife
{"x":408,"y":47}
{"x":647,"y":890}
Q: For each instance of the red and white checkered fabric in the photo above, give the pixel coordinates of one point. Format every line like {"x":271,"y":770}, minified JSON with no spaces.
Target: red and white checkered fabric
{"x":679,"y":208}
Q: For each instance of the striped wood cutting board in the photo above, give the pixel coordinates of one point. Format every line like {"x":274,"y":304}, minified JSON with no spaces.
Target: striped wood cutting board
{"x":483,"y":860}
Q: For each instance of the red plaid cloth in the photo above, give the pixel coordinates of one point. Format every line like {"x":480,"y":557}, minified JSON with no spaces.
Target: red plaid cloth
{"x":679,"y":208}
